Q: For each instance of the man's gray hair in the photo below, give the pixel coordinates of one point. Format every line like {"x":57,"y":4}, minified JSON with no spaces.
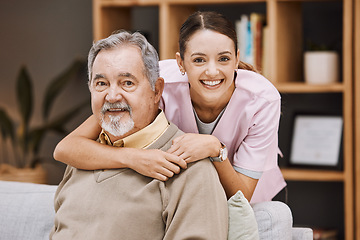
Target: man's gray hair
{"x":122,"y":38}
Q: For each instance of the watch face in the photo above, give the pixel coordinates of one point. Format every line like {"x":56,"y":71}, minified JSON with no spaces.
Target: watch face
{"x":223,"y":153}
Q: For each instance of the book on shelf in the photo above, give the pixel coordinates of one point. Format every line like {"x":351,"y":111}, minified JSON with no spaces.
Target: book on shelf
{"x":256,"y":22}
{"x":250,"y":34}
{"x":265,"y":62}
{"x":325,"y":234}
{"x":243,"y":31}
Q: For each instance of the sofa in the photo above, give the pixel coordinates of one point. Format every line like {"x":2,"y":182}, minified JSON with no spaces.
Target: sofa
{"x":27,"y":213}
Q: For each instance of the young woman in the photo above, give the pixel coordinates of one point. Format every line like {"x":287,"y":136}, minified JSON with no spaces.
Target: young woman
{"x":229,"y":112}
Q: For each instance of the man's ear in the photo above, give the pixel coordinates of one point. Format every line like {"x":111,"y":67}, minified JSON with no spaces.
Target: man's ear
{"x":180,"y":62}
{"x":159,"y":87}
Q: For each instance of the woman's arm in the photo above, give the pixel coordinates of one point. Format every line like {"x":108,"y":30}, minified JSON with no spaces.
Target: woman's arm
{"x":234,"y":181}
{"x":192,"y":147}
{"x":79,"y":149}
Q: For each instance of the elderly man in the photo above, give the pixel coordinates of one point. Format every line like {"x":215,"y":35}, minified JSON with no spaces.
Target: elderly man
{"x":122,"y":204}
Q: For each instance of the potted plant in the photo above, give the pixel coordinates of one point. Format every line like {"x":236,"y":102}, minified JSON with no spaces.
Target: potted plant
{"x":321,"y":64}
{"x":23,"y":141}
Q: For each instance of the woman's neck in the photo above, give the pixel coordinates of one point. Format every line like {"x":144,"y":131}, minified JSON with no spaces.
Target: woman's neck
{"x":208,"y":109}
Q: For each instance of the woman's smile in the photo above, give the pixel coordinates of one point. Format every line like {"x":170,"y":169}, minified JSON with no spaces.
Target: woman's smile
{"x":211,"y":83}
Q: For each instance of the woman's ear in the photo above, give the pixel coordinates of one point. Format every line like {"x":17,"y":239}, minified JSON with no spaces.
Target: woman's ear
{"x":180,"y":63}
{"x":159,"y":87}
{"x":237,"y":59}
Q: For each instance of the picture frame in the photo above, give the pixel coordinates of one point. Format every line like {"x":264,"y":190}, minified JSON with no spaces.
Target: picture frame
{"x":317,"y":141}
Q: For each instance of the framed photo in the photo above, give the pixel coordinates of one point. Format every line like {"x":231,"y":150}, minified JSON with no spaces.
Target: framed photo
{"x":316,"y":140}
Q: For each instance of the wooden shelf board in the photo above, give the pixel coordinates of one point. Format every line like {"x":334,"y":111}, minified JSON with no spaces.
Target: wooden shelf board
{"x":182,"y":2}
{"x":306,"y":0}
{"x":111,"y":3}
{"x":312,"y":175}
{"x":300,"y":87}
{"x":129,"y":3}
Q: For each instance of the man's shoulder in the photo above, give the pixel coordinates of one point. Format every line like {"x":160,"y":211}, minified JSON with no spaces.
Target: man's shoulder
{"x":200,"y":174}
{"x":203,"y":167}
{"x":165,"y":140}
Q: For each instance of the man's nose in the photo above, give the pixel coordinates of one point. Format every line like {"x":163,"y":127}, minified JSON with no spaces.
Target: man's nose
{"x":212,"y":70}
{"x":114,"y":94}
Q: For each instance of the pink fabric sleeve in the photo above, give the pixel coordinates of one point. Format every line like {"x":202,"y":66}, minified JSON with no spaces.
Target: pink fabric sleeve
{"x":258,"y":150}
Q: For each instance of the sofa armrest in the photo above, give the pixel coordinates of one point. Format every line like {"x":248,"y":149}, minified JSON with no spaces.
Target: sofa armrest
{"x":274,"y":220}
{"x":27,"y":210}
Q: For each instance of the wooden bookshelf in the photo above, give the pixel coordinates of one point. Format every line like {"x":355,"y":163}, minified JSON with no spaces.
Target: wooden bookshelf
{"x":285,"y":22}
{"x":357,"y":115}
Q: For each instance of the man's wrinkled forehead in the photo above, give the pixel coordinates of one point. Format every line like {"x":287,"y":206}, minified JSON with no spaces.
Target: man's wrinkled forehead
{"x":140,"y":65}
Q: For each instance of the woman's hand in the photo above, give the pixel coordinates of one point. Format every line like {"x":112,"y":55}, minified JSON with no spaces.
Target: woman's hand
{"x":192,"y":147}
{"x":157,"y":164}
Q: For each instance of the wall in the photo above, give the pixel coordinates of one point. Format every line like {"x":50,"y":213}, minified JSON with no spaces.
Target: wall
{"x":46,"y":36}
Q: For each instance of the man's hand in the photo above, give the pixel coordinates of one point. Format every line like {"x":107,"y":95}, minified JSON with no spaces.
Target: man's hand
{"x":157,"y":164}
{"x":192,"y":147}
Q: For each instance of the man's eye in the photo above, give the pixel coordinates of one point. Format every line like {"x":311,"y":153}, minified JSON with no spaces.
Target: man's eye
{"x":128,"y":83}
{"x":100,"y":83}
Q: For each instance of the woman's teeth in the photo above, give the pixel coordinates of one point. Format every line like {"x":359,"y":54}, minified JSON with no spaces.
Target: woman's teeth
{"x":211,"y":83}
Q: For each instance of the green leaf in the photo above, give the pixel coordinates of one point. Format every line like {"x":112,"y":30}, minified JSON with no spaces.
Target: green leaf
{"x":59,"y":83}
{"x":6,"y":126}
{"x":24,"y":96}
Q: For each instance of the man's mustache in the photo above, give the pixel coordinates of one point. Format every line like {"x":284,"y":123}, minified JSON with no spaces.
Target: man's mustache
{"x":122,"y":106}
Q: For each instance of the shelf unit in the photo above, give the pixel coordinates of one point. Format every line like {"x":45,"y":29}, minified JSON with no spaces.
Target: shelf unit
{"x":285,"y":23}
{"x":357,"y":114}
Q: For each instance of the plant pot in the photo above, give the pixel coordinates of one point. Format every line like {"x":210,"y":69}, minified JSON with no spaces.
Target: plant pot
{"x":321,"y":67}
{"x":33,"y":175}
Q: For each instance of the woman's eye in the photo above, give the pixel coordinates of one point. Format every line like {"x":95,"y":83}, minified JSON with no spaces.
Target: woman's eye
{"x":224,"y":59}
{"x":199,"y":60}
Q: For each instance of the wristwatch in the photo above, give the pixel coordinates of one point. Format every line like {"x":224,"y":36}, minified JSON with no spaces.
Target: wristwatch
{"x":222,"y":154}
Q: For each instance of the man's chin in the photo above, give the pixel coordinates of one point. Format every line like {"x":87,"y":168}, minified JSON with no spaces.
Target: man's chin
{"x":116,"y":117}
{"x":118,"y":127}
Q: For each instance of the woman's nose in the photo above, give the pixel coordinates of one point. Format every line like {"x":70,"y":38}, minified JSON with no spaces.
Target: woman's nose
{"x":114,"y":95}
{"x":212,"y":70}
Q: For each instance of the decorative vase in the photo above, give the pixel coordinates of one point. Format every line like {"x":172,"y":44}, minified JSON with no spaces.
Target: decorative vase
{"x":321,"y":67}
{"x":33,"y":175}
